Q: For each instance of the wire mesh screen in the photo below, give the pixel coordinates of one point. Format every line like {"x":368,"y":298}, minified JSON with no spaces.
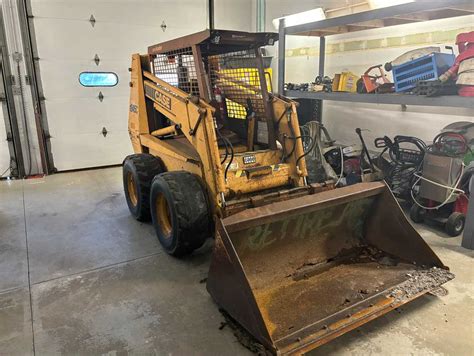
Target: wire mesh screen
{"x":178,"y":69}
{"x":235,"y":77}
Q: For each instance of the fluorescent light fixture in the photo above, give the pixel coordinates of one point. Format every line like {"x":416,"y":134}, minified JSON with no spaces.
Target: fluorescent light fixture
{"x":301,"y":18}
{"x":376,"y":4}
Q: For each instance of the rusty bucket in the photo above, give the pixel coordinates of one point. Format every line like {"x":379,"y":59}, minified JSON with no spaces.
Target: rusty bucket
{"x":299,"y":273}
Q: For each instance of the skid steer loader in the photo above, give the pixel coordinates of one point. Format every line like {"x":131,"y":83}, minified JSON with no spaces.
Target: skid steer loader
{"x":217,"y":154}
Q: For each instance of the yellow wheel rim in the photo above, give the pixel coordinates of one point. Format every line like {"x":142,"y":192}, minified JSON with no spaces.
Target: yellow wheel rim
{"x":132,"y":189}
{"x":163,"y":216}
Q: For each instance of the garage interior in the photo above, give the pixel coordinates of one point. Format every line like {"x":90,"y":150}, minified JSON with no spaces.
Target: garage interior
{"x":319,"y":238}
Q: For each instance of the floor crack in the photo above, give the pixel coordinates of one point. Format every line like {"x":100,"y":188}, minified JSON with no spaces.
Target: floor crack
{"x":28,"y":267}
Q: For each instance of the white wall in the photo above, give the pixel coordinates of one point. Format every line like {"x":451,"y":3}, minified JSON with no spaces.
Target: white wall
{"x":233,"y":15}
{"x":342,"y":118}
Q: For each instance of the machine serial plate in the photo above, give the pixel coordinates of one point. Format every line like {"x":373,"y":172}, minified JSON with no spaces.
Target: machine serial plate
{"x":249,"y":159}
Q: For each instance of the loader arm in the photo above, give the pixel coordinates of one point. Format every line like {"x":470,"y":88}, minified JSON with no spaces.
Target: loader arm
{"x":289,"y":135}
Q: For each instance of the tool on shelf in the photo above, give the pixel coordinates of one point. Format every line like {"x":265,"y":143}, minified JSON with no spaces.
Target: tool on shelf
{"x":374,"y":80}
{"x":432,"y":88}
{"x":410,"y":56}
{"x":428,"y":67}
{"x":345,"y":81}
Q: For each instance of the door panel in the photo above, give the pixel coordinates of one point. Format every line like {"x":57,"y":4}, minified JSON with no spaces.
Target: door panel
{"x":67,"y":43}
{"x":90,"y":149}
{"x":135,"y":12}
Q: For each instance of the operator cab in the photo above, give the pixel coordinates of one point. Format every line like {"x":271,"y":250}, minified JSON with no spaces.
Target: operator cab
{"x":232,"y":76}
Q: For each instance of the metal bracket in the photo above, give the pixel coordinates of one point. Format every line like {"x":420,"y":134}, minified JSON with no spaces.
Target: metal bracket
{"x":163,"y":26}
{"x":97,"y":59}
{"x":17,"y":57}
{"x":192,"y":132}
{"x":104,"y":131}
{"x":101,"y":96}
{"x":92,"y":20}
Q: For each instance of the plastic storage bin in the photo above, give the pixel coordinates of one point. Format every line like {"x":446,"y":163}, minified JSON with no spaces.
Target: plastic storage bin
{"x":428,"y":67}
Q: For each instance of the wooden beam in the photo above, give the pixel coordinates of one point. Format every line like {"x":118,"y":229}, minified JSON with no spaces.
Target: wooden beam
{"x":393,"y":21}
{"x":357,"y":27}
{"x":348,"y":10}
{"x":370,"y":24}
{"x":422,"y":16}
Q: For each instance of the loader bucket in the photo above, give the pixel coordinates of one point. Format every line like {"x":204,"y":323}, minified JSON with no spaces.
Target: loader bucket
{"x":298,"y":273}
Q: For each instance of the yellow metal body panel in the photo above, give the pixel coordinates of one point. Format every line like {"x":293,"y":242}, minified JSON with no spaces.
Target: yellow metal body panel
{"x":137,"y":115}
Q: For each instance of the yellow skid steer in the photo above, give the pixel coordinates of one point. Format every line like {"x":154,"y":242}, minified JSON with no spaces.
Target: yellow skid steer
{"x":217,"y":154}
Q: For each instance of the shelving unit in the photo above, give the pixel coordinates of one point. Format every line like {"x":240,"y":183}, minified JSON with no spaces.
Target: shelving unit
{"x":402,"y":99}
{"x":414,"y":12}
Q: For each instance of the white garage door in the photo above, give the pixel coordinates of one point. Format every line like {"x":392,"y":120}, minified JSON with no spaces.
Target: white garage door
{"x":67,"y":44}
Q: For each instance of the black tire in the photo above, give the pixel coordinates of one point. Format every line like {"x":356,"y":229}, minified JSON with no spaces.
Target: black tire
{"x":417,"y":214}
{"x":455,"y":224}
{"x":180,"y":212}
{"x":138,"y":173}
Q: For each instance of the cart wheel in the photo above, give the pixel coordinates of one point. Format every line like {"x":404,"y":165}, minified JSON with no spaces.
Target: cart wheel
{"x":455,"y":224}
{"x":417,"y":214}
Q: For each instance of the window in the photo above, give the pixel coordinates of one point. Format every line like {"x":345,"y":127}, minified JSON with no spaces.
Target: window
{"x":98,"y":79}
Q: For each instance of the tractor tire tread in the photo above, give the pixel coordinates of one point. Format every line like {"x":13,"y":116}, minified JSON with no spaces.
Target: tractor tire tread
{"x":147,"y":167}
{"x":191,"y":211}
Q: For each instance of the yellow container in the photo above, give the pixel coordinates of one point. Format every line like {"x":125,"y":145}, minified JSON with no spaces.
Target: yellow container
{"x":347,"y":82}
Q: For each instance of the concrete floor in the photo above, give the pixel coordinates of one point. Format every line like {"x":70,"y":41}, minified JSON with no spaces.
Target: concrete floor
{"x":79,"y":275}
